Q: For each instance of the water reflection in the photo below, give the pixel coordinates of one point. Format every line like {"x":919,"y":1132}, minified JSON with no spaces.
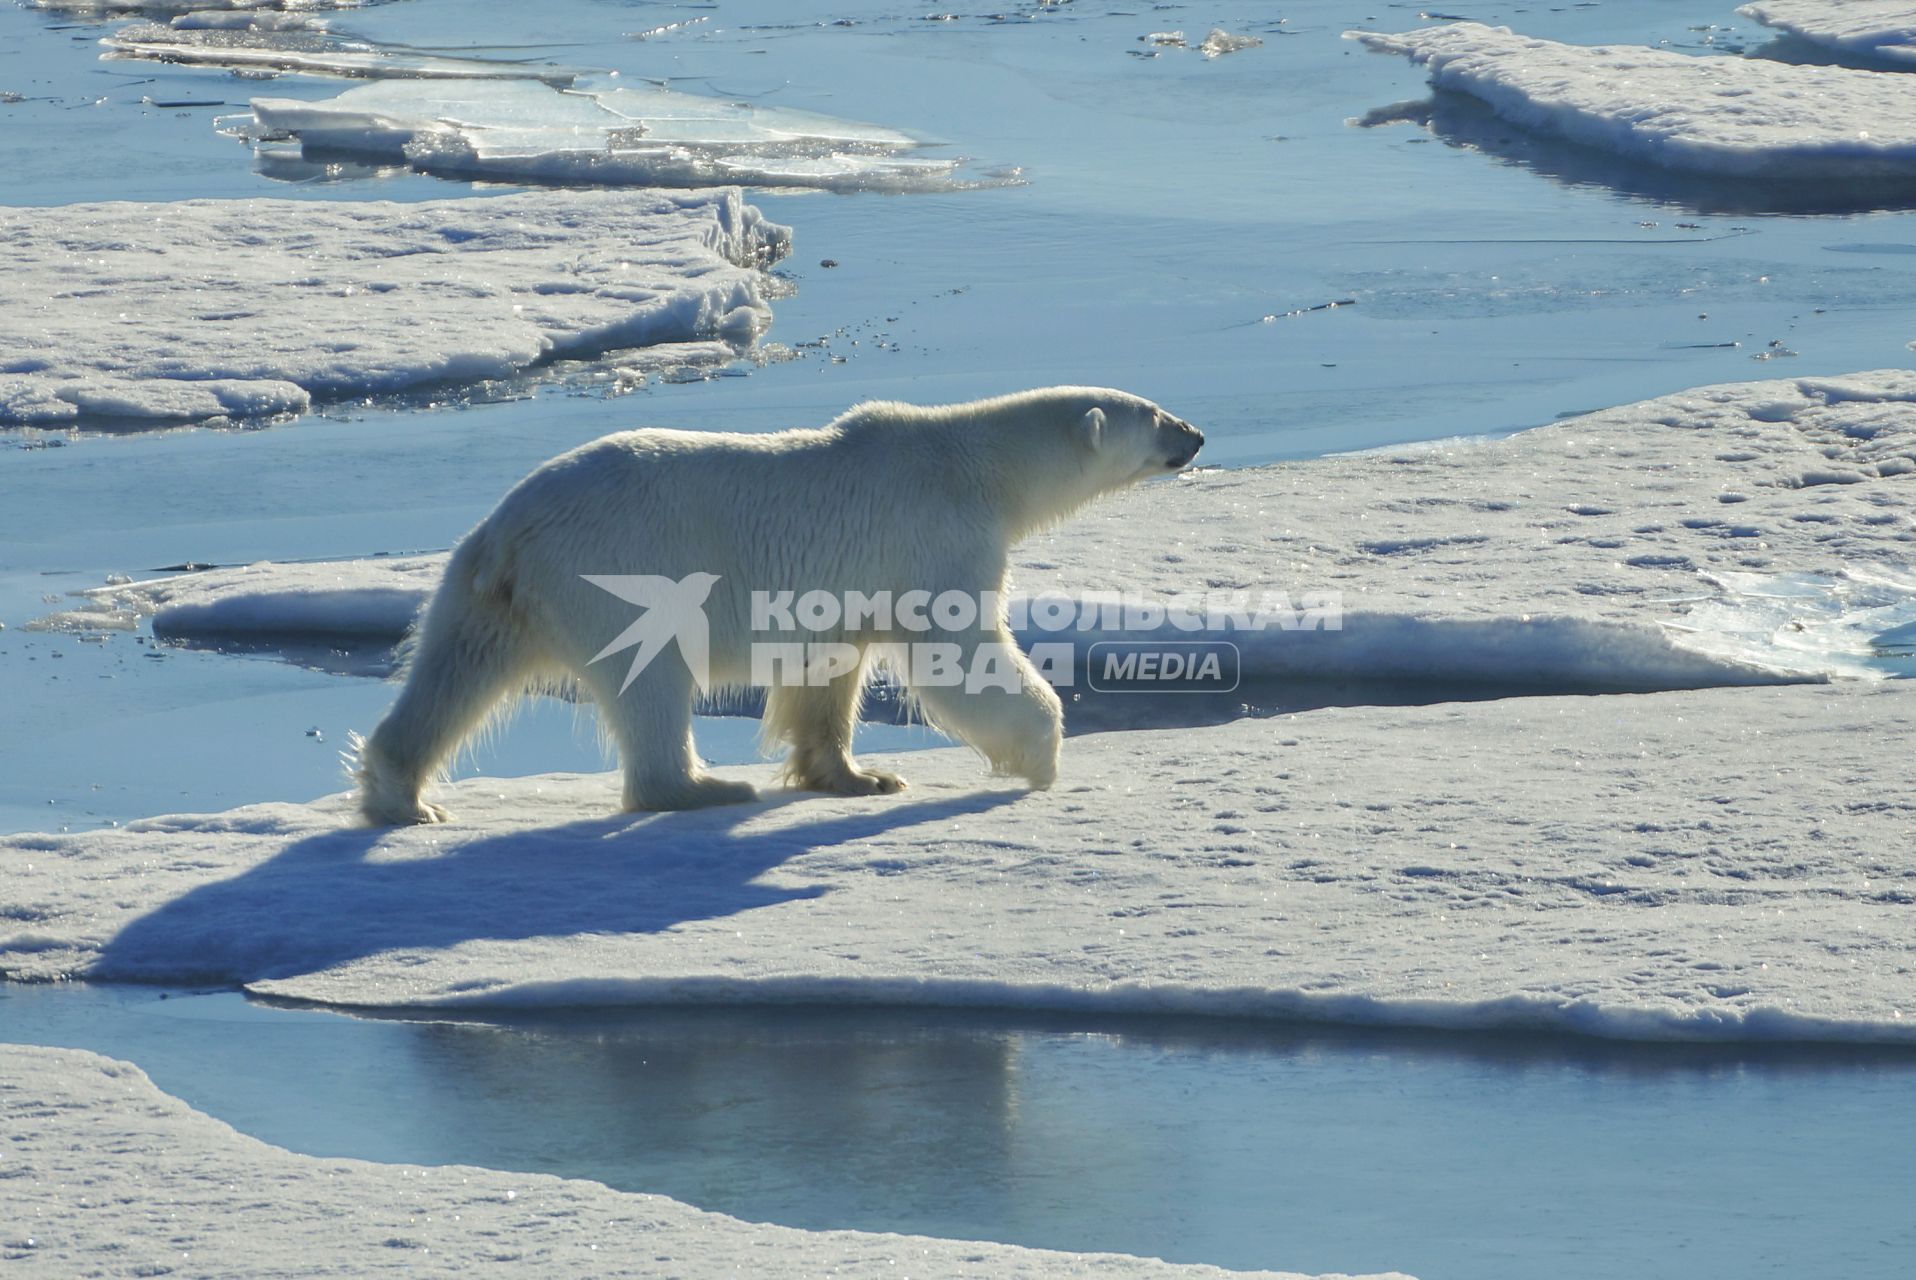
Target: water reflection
{"x":1245,"y":1144}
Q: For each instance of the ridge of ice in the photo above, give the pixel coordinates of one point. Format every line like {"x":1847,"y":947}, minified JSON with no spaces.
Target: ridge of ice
{"x":600,"y":130}
{"x":1875,"y":28}
{"x":1734,"y":117}
{"x":207,"y":308}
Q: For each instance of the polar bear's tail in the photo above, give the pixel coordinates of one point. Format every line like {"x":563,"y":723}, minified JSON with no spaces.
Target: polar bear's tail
{"x":470,"y":651}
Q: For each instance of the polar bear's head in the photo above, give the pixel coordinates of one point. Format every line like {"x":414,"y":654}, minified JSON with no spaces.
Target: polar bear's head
{"x":1125,"y":438}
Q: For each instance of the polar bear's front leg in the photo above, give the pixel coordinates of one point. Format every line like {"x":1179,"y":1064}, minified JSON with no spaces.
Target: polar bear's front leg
{"x":651,"y":724}
{"x":1017,"y":732}
{"x":817,"y":722}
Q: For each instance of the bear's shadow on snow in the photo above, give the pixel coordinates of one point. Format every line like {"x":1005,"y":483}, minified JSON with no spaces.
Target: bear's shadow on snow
{"x":1466,"y":122}
{"x":323,"y":901}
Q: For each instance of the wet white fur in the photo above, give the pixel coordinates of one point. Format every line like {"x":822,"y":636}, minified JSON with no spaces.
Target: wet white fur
{"x":890,"y":497}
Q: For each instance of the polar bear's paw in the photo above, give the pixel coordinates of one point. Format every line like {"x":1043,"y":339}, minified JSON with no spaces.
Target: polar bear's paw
{"x":701,"y":792}
{"x":843,"y":777}
{"x":401,"y":814}
{"x":866,"y":782}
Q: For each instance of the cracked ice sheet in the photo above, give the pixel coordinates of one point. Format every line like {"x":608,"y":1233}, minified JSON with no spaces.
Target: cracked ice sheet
{"x":182,"y":1185}
{"x":1721,"y":864}
{"x":1876,"y":28}
{"x":605,"y":131}
{"x":1734,"y":117}
{"x":247,"y":308}
{"x":1674,"y":542}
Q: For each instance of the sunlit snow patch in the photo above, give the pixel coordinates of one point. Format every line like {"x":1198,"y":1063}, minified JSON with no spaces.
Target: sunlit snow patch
{"x":207,"y":308}
{"x":1858,"y":622}
{"x":599,"y":131}
{"x":1730,"y":117}
{"x":1872,"y":28}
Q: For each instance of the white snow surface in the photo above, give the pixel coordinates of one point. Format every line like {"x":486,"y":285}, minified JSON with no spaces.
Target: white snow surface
{"x":105,"y":1174}
{"x":600,"y":130}
{"x":208,"y":308}
{"x":1876,"y":28}
{"x":1727,"y":535}
{"x":1716,"y":864}
{"x":1737,"y":117}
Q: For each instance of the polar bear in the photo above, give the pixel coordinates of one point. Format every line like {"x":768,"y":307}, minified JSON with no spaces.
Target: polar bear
{"x":888,"y":499}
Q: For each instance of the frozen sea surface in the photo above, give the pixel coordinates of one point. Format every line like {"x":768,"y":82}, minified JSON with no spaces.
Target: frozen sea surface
{"x":1515,"y":288}
{"x":1185,"y":226}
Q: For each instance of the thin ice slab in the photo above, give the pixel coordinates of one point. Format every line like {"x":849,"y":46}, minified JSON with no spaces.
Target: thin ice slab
{"x":277,"y":41}
{"x":601,"y":131}
{"x":207,"y":309}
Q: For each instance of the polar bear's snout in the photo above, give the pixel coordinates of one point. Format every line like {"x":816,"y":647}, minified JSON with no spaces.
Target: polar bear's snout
{"x":1184,"y":443}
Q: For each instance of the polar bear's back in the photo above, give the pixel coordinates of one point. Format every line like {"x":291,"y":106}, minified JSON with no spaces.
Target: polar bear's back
{"x":817,"y":509}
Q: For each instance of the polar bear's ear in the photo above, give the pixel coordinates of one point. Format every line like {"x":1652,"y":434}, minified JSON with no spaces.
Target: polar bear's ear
{"x":1091,"y":428}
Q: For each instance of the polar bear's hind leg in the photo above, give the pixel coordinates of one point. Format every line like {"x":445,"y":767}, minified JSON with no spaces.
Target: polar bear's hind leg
{"x":468,"y":655}
{"x":650,"y":722}
{"x":817,"y":722}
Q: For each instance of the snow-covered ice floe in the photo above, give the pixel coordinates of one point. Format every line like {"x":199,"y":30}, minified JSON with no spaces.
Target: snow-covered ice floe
{"x":1709,"y":865}
{"x":1871,"y":28}
{"x":209,"y":308}
{"x":373,"y":599}
{"x":235,"y":1206}
{"x":1723,"y":116}
{"x":1723,"y":863}
{"x":604,"y":131}
{"x":1734,"y":534}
